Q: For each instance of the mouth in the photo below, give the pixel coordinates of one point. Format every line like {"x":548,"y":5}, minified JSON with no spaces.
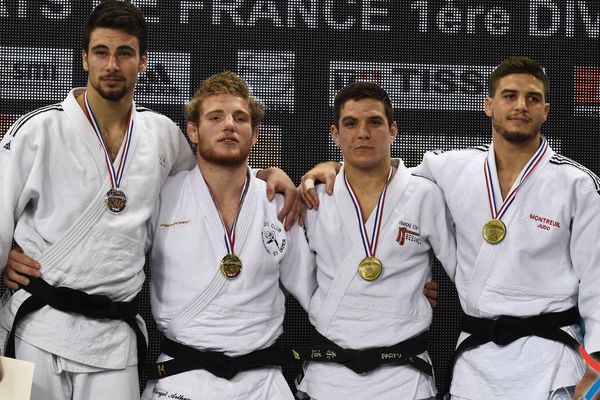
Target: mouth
{"x":112,"y":79}
{"x":519,"y":118}
{"x":228,"y":140}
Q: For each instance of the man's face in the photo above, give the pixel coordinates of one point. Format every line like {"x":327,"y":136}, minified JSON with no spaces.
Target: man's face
{"x":518,"y":108}
{"x":364,"y":135}
{"x":113,"y":62}
{"x":224,"y":134}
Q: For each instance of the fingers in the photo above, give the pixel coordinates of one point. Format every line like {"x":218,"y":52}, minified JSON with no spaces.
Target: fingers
{"x":431,"y":293}
{"x":308,"y":191}
{"x":18,"y":267}
{"x":292,"y":208}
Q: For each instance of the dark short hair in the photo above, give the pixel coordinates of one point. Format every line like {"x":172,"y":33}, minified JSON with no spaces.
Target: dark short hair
{"x":226,"y":82}
{"x":117,"y":15}
{"x":518,"y":65}
{"x":360,"y":91}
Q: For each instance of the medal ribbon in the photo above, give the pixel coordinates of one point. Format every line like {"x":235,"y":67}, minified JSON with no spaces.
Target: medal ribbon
{"x":229,"y":236}
{"x":115,"y":176}
{"x":370,"y":246}
{"x":531,"y":165}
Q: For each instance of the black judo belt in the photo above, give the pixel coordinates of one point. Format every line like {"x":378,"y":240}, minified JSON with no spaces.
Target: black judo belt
{"x":361,"y":361}
{"x":505,"y":330}
{"x":187,"y":358}
{"x":75,"y":301}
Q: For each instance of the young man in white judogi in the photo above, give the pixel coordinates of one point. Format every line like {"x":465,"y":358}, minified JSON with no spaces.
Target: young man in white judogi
{"x":374,"y":240}
{"x":528,"y":228}
{"x":219,"y":256}
{"x":78,"y":182}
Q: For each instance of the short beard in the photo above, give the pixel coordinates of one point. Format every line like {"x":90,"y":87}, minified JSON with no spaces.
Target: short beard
{"x":516,"y":137}
{"x":112,"y":95}
{"x":232,"y":161}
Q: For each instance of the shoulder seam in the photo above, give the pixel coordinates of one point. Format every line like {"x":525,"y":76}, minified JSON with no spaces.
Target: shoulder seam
{"x":21,"y":121}
{"x":483,"y":148}
{"x":558,"y":159}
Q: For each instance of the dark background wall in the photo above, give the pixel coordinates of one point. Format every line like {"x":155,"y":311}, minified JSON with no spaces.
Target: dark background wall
{"x":432,"y":56}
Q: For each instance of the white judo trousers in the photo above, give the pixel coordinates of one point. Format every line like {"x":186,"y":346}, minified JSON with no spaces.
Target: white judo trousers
{"x":53,"y":178}
{"x":358,"y":314}
{"x":548,"y":262}
{"x":195,"y":305}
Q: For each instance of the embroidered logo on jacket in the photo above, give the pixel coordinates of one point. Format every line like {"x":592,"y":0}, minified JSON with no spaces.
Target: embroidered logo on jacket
{"x":174,"y":224}
{"x":544,"y":223}
{"x":6,"y":146}
{"x":408,"y":232}
{"x":273,"y":238}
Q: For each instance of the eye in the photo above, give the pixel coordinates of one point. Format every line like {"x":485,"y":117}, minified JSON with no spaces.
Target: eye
{"x":349,"y":123}
{"x":510,"y":96}
{"x":100,"y":53}
{"x":241,"y":118}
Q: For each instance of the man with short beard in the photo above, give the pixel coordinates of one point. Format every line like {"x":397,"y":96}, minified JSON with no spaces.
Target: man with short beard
{"x":78,"y":182}
{"x":218,"y":256}
{"x":528,"y":243}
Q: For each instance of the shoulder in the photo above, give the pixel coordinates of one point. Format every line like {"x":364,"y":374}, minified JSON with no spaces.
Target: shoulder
{"x":155,"y":120}
{"x":569,"y":171}
{"x":34,"y":119}
{"x":464,"y":153}
{"x":174,"y":184}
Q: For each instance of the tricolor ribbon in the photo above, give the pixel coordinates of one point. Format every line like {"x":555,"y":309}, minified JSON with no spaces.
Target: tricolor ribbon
{"x":531,"y":165}
{"x":370,"y":246}
{"x":115,"y":176}
{"x":229,"y":236}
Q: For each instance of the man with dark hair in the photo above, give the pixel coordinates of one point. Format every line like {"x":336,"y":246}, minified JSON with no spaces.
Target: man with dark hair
{"x":218,"y":257}
{"x":79,"y":181}
{"x":527,"y":228}
{"x":374,"y":240}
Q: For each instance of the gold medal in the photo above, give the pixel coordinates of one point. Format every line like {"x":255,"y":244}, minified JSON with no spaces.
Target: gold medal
{"x":370,"y":268}
{"x":115,"y":200}
{"x":494,"y":231}
{"x":231,"y":266}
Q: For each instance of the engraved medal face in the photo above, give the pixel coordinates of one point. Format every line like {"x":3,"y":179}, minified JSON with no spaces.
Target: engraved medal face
{"x":494,"y":231}
{"x":370,"y":268}
{"x":115,"y":200}
{"x":231,"y":266}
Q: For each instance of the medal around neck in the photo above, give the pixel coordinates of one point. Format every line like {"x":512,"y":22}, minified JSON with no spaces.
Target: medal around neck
{"x":494,"y":231}
{"x":115,"y":200}
{"x":370,"y":268}
{"x":231,"y":266}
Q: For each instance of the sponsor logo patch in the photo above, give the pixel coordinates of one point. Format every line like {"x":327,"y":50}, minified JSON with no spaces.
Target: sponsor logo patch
{"x":273,"y":238}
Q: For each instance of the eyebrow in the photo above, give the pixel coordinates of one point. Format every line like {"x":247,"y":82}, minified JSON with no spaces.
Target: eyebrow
{"x":105,"y":47}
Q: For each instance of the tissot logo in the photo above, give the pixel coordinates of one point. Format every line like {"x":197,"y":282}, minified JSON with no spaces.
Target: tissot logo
{"x":587,"y":90}
{"x":418,"y":86}
{"x":35,"y":73}
{"x":166,"y":79}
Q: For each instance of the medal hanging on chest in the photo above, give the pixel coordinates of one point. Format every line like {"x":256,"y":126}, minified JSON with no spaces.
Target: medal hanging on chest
{"x":370,"y":267}
{"x":231,"y":264}
{"x":115,"y":198}
{"x":494,"y":230}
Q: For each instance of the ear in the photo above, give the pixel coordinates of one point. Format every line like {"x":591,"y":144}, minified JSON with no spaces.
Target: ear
{"x":335,"y":135}
{"x":84,"y":57}
{"x":546,"y":111}
{"x":393,"y":132}
{"x":255,"y":132}
{"x":143,"y":63}
{"x":487,"y":106}
{"x":192,"y":131}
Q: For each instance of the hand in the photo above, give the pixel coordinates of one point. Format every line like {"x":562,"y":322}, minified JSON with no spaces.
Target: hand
{"x":431,"y":293}
{"x":18,"y":267}
{"x":588,"y":379}
{"x":325,"y":173}
{"x":279,"y":182}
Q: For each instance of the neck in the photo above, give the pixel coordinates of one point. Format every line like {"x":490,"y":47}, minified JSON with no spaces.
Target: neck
{"x":108,"y":113}
{"x":225,"y":183}
{"x":368,"y":181}
{"x":512,"y":157}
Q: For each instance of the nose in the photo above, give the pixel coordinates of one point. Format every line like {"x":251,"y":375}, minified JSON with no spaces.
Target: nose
{"x":521,"y":103}
{"x":112,"y":63}
{"x":363,"y":131}
{"x":229,"y":121}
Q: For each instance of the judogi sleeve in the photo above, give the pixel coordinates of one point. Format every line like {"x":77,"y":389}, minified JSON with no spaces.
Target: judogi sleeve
{"x":585,"y":256}
{"x":440,"y":231}
{"x":298,"y":266}
{"x":21,"y":173}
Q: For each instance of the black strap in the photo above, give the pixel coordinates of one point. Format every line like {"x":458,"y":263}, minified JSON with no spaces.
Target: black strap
{"x":77,"y":302}
{"x":187,"y":358}
{"x":361,"y":361}
{"x":507,"y":329}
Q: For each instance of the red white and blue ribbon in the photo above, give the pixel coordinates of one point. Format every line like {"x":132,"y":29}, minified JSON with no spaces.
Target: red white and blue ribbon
{"x":370,"y":245}
{"x":229,"y":236}
{"x":115,"y":176}
{"x":498,"y":213}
